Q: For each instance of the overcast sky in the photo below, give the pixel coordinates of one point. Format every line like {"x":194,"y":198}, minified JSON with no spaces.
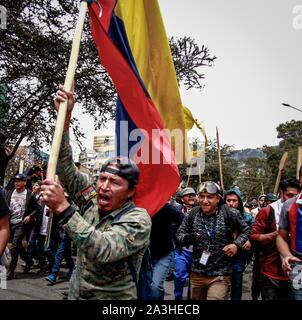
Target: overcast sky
{"x":258,"y":66}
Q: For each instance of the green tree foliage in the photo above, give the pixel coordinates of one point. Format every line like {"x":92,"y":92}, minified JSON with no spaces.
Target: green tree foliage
{"x":34,"y":53}
{"x":188,"y":58}
{"x":290,"y":134}
{"x":254,"y":177}
{"x":211,"y":172}
{"x":254,"y":174}
{"x":229,"y":165}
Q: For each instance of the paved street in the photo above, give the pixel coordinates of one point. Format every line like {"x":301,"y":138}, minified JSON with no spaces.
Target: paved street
{"x":33,"y":286}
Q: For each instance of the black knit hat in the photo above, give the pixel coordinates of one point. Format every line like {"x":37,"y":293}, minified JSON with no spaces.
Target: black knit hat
{"x":124,"y":167}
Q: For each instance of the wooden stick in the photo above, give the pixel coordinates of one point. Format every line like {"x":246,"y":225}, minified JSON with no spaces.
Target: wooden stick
{"x":21,"y":166}
{"x":219,"y":159}
{"x":189,"y":174}
{"x":281,"y":167}
{"x":299,"y":161}
{"x":262,"y":188}
{"x":199,"y":173}
{"x":57,"y":139}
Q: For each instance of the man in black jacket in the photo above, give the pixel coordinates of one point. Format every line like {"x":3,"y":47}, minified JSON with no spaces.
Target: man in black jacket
{"x":24,"y":209}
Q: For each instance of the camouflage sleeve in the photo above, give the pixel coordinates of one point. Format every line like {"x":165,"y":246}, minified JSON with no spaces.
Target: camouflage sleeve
{"x":126,"y":237}
{"x":73,"y":181}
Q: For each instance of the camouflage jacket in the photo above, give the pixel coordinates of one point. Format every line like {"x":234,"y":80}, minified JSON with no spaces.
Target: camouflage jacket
{"x":102,"y":270}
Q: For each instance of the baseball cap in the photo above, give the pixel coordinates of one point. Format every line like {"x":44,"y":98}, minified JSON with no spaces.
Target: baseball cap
{"x":210,"y":187}
{"x":20,"y":176}
{"x":187,"y":191}
{"x":271,"y":197}
{"x":124,"y":167}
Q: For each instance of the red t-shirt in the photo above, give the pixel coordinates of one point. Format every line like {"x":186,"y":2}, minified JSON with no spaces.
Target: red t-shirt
{"x":270,"y":261}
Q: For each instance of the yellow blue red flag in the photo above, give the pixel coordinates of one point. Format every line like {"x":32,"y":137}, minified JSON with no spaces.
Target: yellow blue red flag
{"x":140,"y":129}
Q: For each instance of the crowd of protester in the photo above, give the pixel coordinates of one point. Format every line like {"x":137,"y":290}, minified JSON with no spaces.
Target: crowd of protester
{"x":202,"y":238}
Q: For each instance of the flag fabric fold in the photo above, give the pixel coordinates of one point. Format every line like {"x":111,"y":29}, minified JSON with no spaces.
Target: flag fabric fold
{"x":140,"y":130}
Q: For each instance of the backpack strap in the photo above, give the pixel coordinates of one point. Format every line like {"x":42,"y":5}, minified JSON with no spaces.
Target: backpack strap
{"x":191,"y":216}
{"x":129,"y":260}
{"x":119,"y":215}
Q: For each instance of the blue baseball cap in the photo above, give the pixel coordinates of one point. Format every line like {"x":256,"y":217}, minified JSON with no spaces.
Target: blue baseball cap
{"x":20,"y":176}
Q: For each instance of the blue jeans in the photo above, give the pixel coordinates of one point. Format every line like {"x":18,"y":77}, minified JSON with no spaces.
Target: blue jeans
{"x":295,"y":276}
{"x":17,"y":234}
{"x":295,"y":294}
{"x":274,"y":289}
{"x":41,"y":250}
{"x":64,"y":251}
{"x":161,"y":269}
{"x":182,"y":268}
{"x":31,"y":245}
{"x":238,"y":268}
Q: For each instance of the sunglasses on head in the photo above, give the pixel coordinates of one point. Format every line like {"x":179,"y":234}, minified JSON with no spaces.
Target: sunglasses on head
{"x":209,"y":187}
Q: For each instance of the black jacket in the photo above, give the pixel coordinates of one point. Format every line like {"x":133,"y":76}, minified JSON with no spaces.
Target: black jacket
{"x":162,"y":237}
{"x":4,"y":209}
{"x":32,"y":208}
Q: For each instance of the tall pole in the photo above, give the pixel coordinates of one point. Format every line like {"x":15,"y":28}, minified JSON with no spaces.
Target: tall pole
{"x":299,"y":160}
{"x":58,"y":134}
{"x":281,"y":167}
{"x":219,"y":159}
{"x":57,"y":139}
{"x":262,"y":188}
{"x":189,"y":175}
{"x":21,"y":166}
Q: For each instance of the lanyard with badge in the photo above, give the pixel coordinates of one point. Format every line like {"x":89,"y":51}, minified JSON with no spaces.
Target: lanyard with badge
{"x":210,"y":236}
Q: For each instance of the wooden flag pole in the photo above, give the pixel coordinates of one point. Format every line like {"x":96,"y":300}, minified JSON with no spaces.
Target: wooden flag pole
{"x":281,"y":167}
{"x":299,"y":160}
{"x":57,"y":139}
{"x":219,"y":159}
{"x":21,"y":166}
{"x":189,"y":174}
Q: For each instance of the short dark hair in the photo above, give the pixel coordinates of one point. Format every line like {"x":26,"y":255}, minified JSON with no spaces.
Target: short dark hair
{"x":289,"y":183}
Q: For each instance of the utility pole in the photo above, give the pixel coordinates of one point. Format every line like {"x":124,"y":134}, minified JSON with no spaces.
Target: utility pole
{"x":289,"y":106}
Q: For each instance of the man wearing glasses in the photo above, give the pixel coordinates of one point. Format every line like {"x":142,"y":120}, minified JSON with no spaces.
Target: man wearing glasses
{"x":210,"y":228}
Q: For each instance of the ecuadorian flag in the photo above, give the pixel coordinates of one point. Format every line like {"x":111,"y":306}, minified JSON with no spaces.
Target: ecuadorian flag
{"x":122,"y":31}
